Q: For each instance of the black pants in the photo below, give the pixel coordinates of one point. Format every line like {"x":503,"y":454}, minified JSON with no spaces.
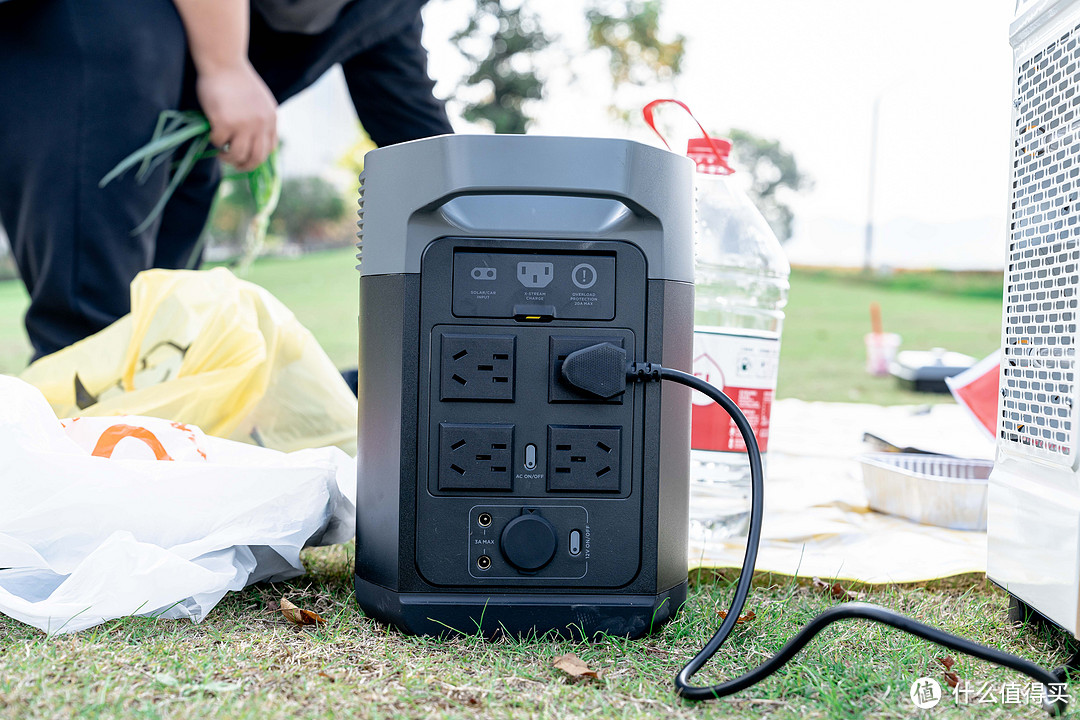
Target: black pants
{"x":81,"y":86}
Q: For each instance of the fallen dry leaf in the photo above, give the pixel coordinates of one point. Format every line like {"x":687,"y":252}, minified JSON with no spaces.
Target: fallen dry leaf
{"x":837,"y":590}
{"x":951,"y":678}
{"x":744,"y":618}
{"x":298,"y":616}
{"x":573,"y":666}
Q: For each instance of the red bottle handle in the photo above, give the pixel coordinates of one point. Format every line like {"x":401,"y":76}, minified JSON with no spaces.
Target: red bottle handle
{"x":648,"y":113}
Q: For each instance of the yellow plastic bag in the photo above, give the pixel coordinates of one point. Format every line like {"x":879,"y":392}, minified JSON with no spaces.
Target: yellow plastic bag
{"x":210,"y":350}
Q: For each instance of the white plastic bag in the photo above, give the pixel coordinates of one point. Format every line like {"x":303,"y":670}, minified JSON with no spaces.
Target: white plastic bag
{"x":94,"y":526}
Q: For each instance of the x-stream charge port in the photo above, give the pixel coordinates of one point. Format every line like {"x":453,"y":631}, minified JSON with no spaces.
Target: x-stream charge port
{"x":483,"y":520}
{"x":483,"y":562}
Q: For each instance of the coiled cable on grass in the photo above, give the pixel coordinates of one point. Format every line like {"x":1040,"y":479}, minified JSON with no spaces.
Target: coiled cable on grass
{"x":850,"y":611}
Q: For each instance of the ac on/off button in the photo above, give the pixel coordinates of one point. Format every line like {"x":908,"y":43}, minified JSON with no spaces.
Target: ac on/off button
{"x":575,"y":542}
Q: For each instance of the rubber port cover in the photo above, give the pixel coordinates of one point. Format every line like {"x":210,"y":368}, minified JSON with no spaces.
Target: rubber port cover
{"x":528,"y":542}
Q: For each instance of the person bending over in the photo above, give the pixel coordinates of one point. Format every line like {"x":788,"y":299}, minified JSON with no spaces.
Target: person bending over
{"x":82,"y":85}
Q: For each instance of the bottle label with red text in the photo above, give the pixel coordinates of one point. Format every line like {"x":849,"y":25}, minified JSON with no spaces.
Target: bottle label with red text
{"x":744,"y":367}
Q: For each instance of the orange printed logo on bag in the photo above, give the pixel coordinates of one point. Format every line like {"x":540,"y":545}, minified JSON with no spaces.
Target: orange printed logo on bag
{"x":109,"y":439}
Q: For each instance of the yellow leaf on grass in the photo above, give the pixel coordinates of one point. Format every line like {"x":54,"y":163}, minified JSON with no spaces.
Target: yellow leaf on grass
{"x":573,"y":666}
{"x":298,"y":616}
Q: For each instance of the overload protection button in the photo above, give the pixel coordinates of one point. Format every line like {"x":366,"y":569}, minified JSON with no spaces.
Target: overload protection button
{"x":528,"y":542}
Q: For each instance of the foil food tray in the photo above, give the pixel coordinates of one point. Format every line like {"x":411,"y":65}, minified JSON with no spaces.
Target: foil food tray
{"x":931,"y":489}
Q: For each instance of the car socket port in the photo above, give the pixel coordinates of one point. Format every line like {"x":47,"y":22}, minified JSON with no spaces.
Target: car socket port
{"x":483,"y":520}
{"x":483,"y":562}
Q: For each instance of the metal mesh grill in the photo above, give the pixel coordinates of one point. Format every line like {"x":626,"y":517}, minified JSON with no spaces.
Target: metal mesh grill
{"x":1042,"y":278}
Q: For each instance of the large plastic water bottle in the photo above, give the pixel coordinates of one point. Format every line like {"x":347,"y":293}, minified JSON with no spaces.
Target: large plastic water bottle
{"x":741,"y":287}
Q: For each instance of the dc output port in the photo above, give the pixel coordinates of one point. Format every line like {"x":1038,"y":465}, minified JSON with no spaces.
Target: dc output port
{"x":483,"y":520}
{"x":483,"y":562}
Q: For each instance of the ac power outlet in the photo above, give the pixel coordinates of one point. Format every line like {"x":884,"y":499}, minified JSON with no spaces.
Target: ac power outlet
{"x":476,"y":456}
{"x":477,"y":367}
{"x":559,"y":391}
{"x":584,"y":458}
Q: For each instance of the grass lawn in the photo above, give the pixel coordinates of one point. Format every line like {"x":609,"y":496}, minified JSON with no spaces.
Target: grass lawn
{"x":822,"y":354}
{"x":246,"y":660}
{"x":320,"y":288}
{"x":14,"y":347}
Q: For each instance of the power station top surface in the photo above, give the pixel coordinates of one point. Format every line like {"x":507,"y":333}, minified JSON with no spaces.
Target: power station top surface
{"x":520,"y":187}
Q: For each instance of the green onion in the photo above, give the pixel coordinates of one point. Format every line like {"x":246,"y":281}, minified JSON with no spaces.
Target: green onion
{"x":172,"y":131}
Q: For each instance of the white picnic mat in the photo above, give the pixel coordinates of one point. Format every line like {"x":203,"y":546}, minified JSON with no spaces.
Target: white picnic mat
{"x":816,"y":518}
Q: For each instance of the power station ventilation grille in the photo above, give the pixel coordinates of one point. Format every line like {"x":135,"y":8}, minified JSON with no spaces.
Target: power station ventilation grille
{"x":360,"y":221}
{"x":1042,"y":279}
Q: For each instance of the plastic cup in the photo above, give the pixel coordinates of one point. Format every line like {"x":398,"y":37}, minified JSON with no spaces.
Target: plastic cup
{"x":880,"y":352}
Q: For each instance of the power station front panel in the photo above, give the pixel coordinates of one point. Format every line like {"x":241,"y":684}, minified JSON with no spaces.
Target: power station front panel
{"x":528,"y":481}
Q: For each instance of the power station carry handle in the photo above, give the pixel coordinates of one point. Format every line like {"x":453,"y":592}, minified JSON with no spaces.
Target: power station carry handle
{"x":650,"y":181}
{"x":574,"y":167}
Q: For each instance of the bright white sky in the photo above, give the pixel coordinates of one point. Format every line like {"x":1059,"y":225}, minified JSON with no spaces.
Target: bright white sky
{"x":807,"y":73}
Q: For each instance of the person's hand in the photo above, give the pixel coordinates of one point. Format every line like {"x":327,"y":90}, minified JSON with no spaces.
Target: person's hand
{"x":242,"y":113}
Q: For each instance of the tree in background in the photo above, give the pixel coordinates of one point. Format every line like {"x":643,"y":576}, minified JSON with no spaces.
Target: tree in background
{"x":230,"y":214}
{"x":512,"y":41}
{"x":629,"y":32}
{"x":308,"y":207}
{"x":773,"y":174}
{"x":353,"y":159}
{"x":513,"y":37}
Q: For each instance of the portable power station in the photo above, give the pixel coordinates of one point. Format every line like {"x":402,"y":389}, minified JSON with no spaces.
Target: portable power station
{"x":493,"y":495}
{"x":520,"y":471}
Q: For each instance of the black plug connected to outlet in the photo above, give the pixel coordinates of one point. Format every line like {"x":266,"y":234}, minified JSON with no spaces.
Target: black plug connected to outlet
{"x":477,"y":367}
{"x":561,"y":346}
{"x":476,"y":456}
{"x":583,"y":458}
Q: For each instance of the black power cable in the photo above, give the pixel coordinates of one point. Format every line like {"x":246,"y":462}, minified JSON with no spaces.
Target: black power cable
{"x":596,"y":370}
